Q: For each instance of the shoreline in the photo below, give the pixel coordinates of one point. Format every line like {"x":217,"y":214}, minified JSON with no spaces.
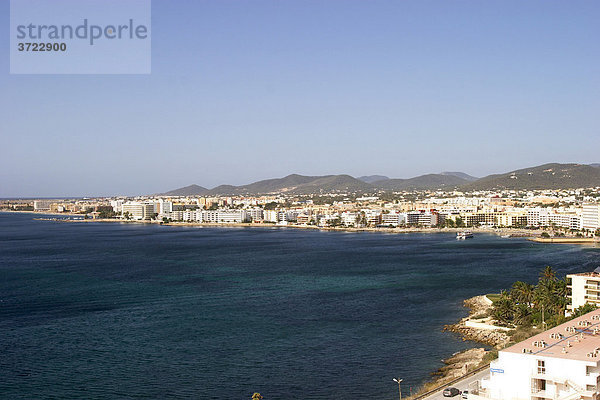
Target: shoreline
{"x":569,"y":240}
{"x":510,"y":232}
{"x":473,"y":328}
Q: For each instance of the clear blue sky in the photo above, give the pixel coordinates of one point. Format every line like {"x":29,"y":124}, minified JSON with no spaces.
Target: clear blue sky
{"x":247,"y":90}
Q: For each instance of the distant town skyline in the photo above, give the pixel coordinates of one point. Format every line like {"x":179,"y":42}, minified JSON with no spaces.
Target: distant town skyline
{"x":245,"y":91}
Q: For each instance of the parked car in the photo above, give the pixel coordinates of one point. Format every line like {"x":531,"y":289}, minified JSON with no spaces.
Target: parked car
{"x":451,"y":392}
{"x":465,"y":394}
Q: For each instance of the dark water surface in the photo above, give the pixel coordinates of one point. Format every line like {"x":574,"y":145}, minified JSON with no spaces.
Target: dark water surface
{"x":109,"y":311}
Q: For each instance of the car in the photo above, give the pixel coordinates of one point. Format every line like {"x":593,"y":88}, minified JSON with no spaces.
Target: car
{"x":465,"y":394}
{"x":451,"y":392}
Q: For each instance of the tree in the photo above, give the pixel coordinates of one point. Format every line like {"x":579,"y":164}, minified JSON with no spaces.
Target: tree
{"x":503,"y":308}
{"x":522,"y":293}
{"x":548,"y":273}
{"x":584,"y":309}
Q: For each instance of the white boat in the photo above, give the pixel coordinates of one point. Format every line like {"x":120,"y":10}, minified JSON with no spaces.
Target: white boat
{"x":464,"y":235}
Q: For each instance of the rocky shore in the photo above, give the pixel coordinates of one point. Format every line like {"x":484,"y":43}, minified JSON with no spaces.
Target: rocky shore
{"x":476,"y":327}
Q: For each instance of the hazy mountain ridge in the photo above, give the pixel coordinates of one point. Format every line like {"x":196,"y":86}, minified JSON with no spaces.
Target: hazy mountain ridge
{"x":547,"y":176}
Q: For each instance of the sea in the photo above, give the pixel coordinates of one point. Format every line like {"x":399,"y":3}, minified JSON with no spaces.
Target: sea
{"x":92,"y":310}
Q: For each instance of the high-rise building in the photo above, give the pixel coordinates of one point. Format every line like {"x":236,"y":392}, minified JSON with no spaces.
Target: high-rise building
{"x":591,"y":216}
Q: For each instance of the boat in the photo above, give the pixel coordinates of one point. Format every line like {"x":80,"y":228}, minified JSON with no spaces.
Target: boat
{"x":464,"y":235}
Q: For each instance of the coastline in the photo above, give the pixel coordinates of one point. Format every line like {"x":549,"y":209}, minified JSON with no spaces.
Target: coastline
{"x":510,"y":232}
{"x":570,"y":240}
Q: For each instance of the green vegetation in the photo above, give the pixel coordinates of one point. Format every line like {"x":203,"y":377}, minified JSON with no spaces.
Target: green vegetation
{"x":526,"y":305}
{"x":533,"y":308}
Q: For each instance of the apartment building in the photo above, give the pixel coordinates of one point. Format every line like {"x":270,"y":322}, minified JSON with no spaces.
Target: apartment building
{"x":427,"y":218}
{"x":583,"y":288}
{"x":393,"y":219}
{"x":480,"y":218}
{"x":591,"y":216}
{"x":137,"y":210}
{"x":349,"y":218}
{"x":562,"y":363}
{"x":42,"y":205}
{"x":564,"y":218}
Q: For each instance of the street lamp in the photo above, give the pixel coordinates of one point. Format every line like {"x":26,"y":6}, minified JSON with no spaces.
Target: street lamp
{"x":399,"y":388}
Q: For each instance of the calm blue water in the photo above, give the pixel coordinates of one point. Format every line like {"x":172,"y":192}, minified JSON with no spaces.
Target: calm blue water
{"x":108,"y":311}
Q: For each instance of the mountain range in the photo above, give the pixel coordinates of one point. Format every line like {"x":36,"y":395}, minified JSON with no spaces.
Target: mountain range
{"x":547,"y":176}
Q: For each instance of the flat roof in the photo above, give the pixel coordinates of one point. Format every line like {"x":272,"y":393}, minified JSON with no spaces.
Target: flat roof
{"x":577,"y":339}
{"x":588,"y":274}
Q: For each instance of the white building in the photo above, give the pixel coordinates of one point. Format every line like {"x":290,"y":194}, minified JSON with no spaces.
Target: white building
{"x":255,"y":214}
{"x":164,"y":207}
{"x":393,"y":219}
{"x":225,"y":216}
{"x":591,"y":216}
{"x":137,"y":210}
{"x":583,"y":288}
{"x":562,"y":363}
{"x":117,"y":205}
{"x":349,"y":218}
{"x":270,"y":216}
{"x":423,"y":218}
{"x":42,"y":205}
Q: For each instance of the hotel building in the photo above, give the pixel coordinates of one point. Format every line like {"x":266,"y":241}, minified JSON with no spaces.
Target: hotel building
{"x":138,"y":211}
{"x":583,"y":288}
{"x":562,"y":363}
{"x":591,"y":216}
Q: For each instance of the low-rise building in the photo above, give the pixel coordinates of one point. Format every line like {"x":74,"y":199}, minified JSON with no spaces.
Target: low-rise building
{"x":562,"y":363}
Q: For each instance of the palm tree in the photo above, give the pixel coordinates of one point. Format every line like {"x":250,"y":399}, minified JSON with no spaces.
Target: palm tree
{"x":522,"y":314}
{"x":503,"y":308}
{"x":548,"y":273}
{"x":522,"y":292}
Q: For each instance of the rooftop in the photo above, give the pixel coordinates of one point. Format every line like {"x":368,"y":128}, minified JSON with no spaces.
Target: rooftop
{"x":588,"y":274}
{"x":577,"y":339}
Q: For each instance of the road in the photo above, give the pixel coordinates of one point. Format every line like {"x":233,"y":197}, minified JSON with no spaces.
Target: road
{"x":462,"y":385}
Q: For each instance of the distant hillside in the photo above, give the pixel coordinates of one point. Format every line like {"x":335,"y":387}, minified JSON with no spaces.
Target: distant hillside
{"x":462,"y":175}
{"x":423,"y":182}
{"x":547,"y":176}
{"x":373,"y":178}
{"x":297,"y":184}
{"x":190,"y":190}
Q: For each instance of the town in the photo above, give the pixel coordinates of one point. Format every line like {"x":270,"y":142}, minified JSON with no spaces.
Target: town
{"x":566,"y":212}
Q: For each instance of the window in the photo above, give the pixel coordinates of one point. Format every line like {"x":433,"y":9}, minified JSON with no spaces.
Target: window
{"x":541,"y":367}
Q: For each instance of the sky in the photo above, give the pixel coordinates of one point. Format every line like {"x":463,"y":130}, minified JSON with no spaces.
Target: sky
{"x":251,"y":89}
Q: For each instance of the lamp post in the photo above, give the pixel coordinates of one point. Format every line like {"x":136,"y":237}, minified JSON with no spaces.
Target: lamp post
{"x":399,"y":388}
